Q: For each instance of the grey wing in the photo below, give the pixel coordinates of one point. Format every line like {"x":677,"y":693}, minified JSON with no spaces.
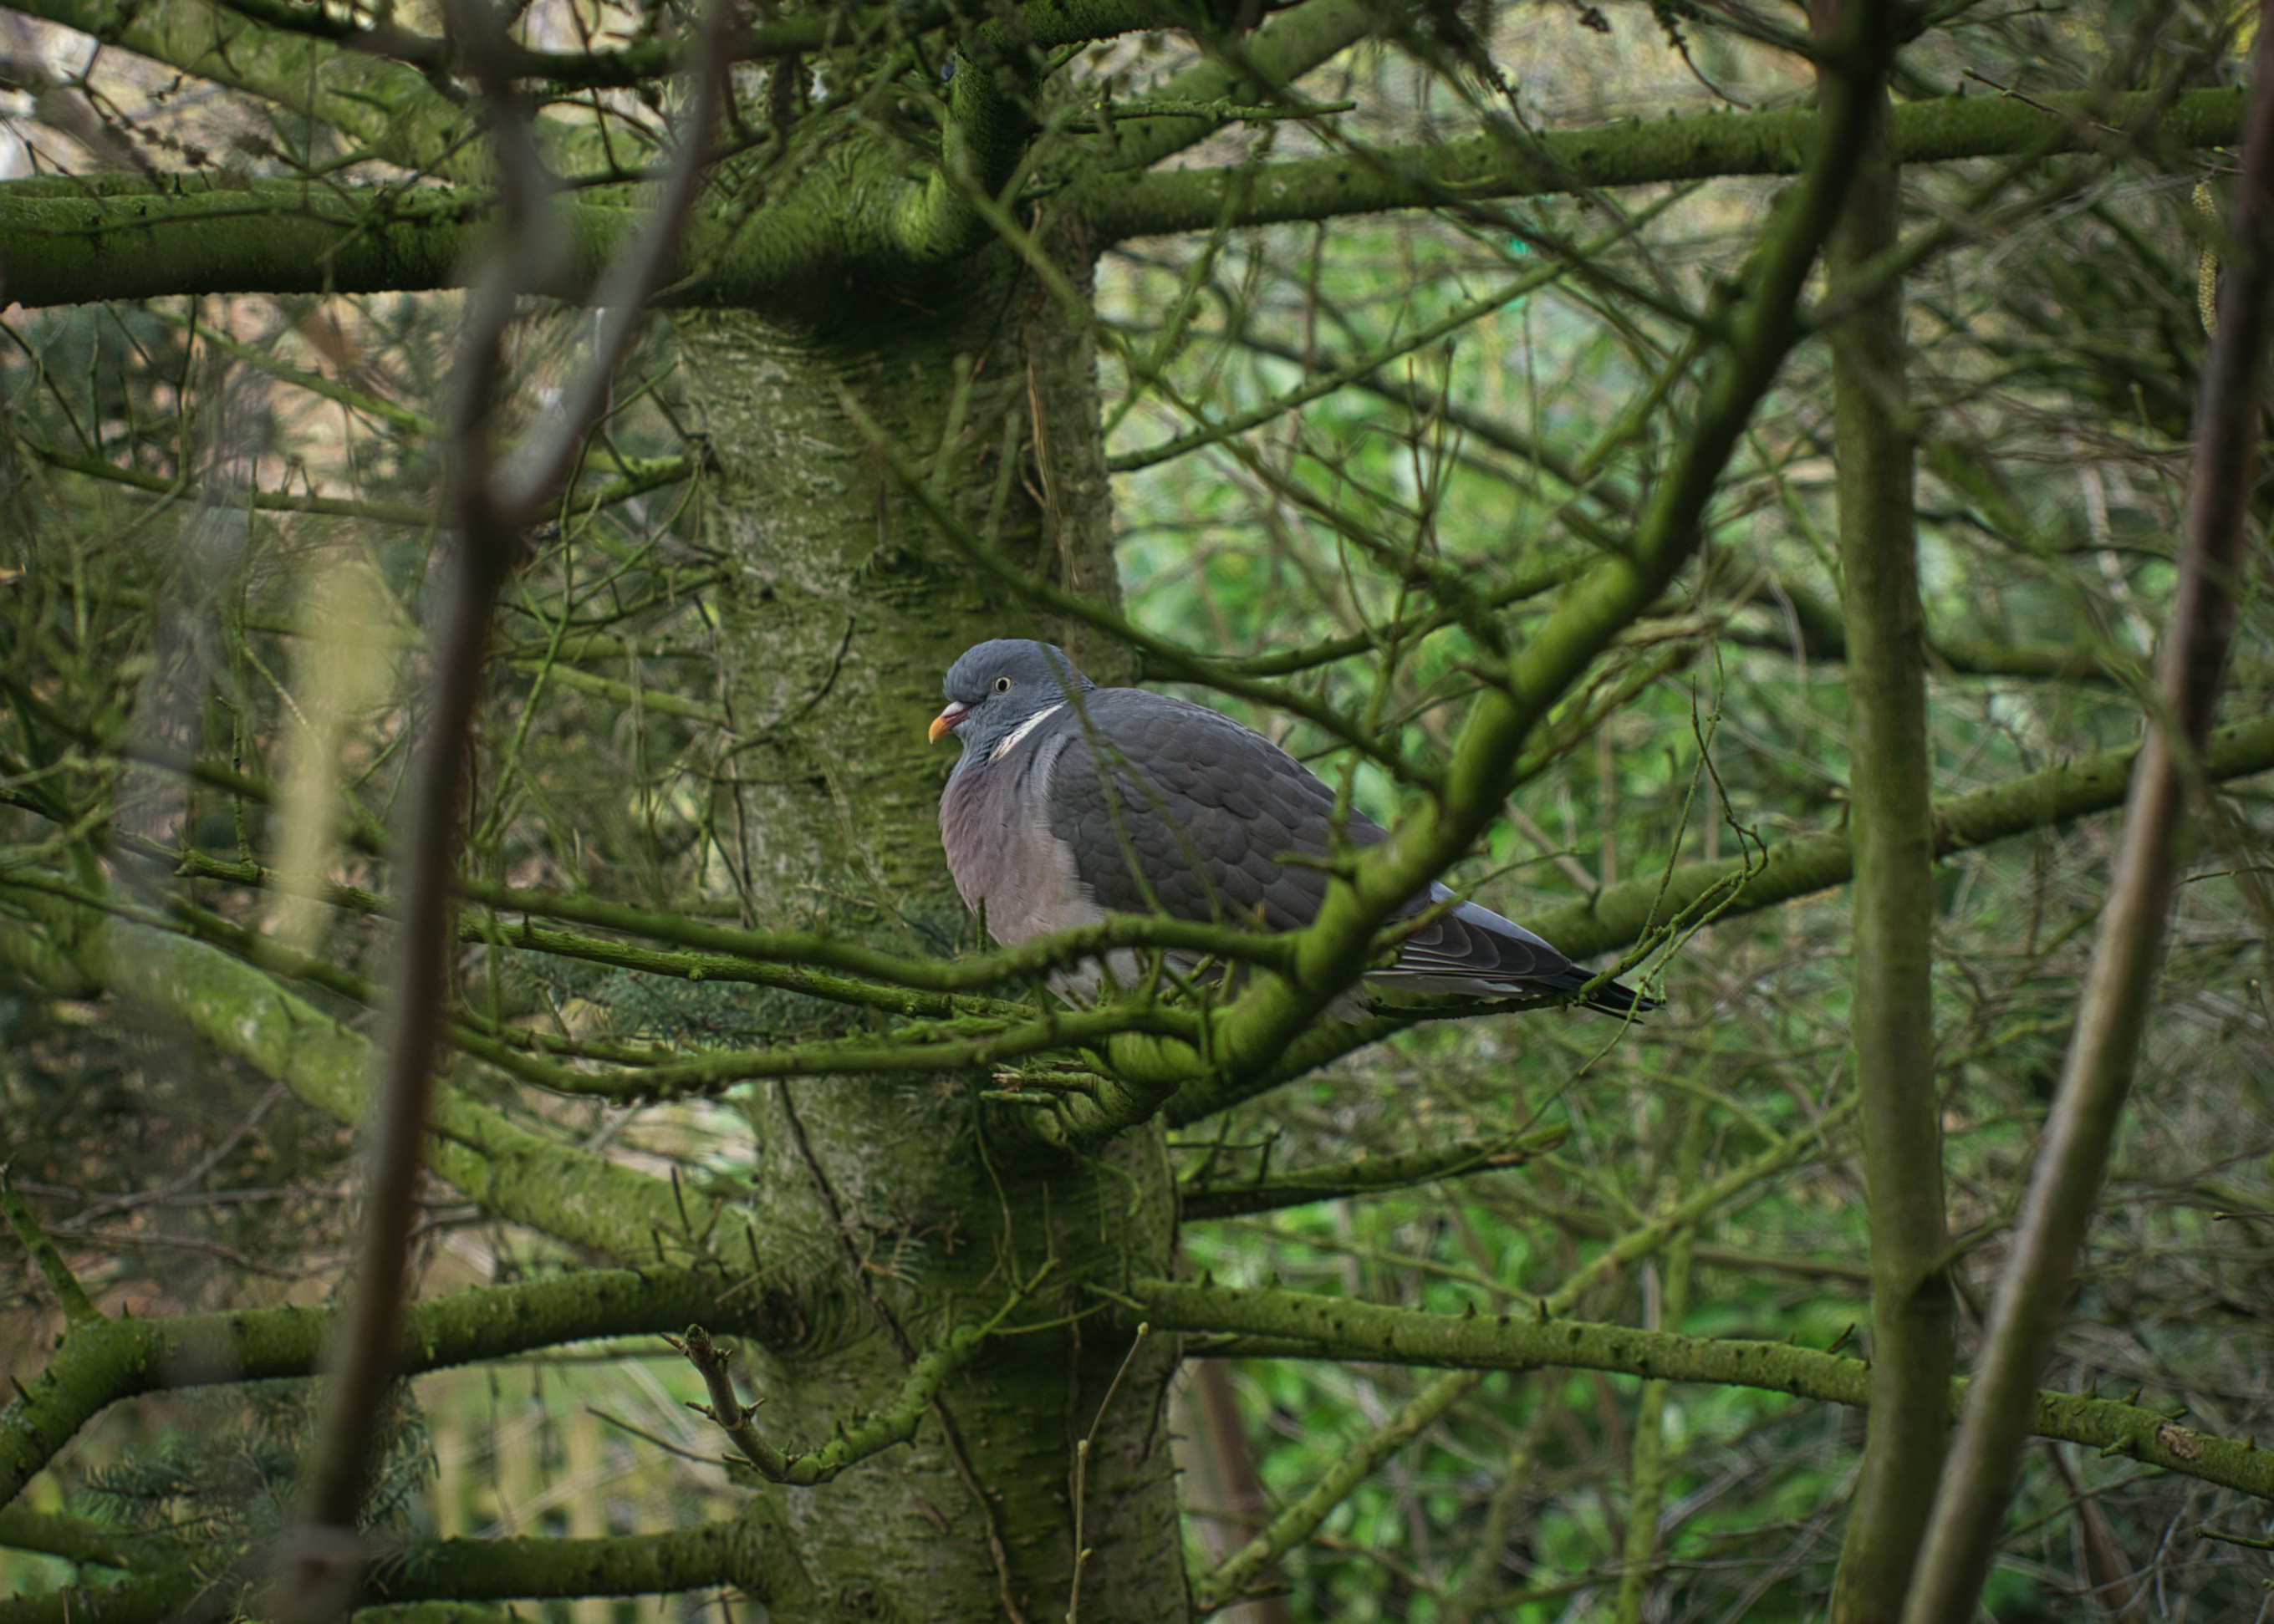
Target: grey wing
{"x":1200,"y":812}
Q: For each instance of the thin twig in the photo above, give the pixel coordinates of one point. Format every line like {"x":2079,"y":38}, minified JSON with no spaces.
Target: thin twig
{"x":1081,"y":1449}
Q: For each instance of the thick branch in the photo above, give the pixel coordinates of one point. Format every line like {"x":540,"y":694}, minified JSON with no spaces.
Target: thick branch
{"x":1699,"y":147}
{"x":118,"y":237}
{"x":752,"y":1552}
{"x":98,"y":1364}
{"x":115,"y":236}
{"x":75,"y":1540}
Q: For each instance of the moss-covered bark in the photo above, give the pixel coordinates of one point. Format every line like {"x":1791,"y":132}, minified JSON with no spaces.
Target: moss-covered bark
{"x":1696,"y":148}
{"x":842,"y":610}
{"x":78,"y":241}
{"x":107,"y":1360}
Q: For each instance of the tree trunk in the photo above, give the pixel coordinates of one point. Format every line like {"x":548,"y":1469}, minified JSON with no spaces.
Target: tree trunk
{"x":902,"y":1209}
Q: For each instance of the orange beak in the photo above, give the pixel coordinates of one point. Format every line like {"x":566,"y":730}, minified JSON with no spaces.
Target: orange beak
{"x":949,"y":719}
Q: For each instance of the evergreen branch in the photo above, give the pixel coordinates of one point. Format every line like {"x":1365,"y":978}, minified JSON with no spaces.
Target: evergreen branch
{"x":1340,"y":1328}
{"x":116,"y":1359}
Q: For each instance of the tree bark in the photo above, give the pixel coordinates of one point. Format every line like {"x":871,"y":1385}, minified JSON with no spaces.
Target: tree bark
{"x":902,"y":1209}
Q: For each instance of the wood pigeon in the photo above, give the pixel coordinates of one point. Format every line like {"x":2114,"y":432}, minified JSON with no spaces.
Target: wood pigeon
{"x":1199,"y":814}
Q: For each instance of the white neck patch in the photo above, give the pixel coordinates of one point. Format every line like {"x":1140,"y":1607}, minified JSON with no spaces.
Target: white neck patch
{"x":1011,"y":739}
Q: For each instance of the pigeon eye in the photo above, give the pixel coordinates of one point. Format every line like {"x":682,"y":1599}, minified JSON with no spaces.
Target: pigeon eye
{"x":1002,"y":684}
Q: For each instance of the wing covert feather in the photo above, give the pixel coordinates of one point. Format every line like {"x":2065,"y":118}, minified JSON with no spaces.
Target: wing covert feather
{"x":1201,"y":811}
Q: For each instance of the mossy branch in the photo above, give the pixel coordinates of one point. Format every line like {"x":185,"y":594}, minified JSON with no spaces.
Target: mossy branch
{"x":1339,"y":1328}
{"x":513,"y":1172}
{"x":931,"y":1048}
{"x":1890,"y":832}
{"x":1699,"y":147}
{"x":114,"y":1359}
{"x":146,"y":1598}
{"x":753,"y":1553}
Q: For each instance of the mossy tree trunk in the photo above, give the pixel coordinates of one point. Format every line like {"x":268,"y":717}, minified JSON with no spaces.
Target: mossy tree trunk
{"x":898,"y":1209}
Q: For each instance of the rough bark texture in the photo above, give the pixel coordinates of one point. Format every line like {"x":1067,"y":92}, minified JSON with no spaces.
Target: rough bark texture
{"x":898,"y":1209}
{"x":843,"y":610}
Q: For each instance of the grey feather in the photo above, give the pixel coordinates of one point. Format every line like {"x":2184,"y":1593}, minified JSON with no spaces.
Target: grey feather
{"x":1073,"y":801}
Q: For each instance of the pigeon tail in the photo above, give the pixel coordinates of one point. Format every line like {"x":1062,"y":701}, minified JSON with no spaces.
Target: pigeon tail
{"x":1470,"y":952}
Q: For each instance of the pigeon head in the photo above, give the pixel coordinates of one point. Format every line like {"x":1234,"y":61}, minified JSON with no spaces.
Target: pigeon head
{"x":997,"y":687}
